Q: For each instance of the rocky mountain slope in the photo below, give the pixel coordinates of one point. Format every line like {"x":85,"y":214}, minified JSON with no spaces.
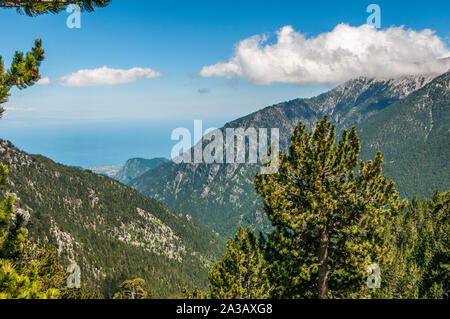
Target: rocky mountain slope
{"x":222,"y":195}
{"x":414,"y":136}
{"x":135,"y":167}
{"x":111,"y":231}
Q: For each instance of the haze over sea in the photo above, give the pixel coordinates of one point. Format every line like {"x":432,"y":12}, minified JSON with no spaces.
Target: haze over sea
{"x":97,"y":143}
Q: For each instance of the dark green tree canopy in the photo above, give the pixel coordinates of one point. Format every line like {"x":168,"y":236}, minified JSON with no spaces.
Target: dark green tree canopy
{"x":421,"y":267}
{"x":23,"y":72}
{"x":241,"y":273}
{"x":134,"y":289}
{"x":328,"y":217}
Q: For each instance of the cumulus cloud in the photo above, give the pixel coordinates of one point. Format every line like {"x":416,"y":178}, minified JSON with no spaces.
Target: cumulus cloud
{"x":344,"y":53}
{"x":104,"y":76}
{"x":44,"y":81}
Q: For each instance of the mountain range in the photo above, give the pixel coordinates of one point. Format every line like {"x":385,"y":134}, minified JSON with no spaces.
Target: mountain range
{"x":406,"y":118}
{"x":135,"y":167}
{"x":167,"y":226}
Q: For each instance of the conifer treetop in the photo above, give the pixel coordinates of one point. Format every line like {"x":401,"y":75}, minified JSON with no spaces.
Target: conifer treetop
{"x":328,"y":214}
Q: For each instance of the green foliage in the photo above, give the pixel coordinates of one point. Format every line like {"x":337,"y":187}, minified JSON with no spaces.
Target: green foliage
{"x":421,"y":264}
{"x":22,"y":285}
{"x":50,"y":270}
{"x":28,"y":269}
{"x":38,"y":7}
{"x":6,"y":210}
{"x":331,"y":219}
{"x":23,"y":72}
{"x":134,"y":289}
{"x":195,"y":294}
{"x":328,"y":220}
{"x":19,"y":277}
{"x":241,"y":273}
{"x":43,"y":263}
{"x":95,"y":221}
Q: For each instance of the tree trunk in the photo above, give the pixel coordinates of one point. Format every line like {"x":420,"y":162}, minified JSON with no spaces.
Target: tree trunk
{"x":323,"y":265}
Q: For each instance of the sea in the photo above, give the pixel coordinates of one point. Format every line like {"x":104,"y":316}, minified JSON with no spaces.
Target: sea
{"x":97,"y":142}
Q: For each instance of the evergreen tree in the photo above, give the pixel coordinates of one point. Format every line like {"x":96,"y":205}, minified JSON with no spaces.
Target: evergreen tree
{"x":133,"y":289}
{"x":24,"y":71}
{"x":241,"y":273}
{"x":422,"y":260}
{"x":50,"y":271}
{"x":16,"y":285}
{"x":195,"y":294}
{"x":328,"y":220}
{"x":18,"y":279}
{"x":25,"y":275}
{"x":432,"y":250}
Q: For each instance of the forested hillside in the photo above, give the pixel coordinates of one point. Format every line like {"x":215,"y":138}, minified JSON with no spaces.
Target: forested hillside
{"x":414,"y":135}
{"x":421,"y":266}
{"x":110,"y":230}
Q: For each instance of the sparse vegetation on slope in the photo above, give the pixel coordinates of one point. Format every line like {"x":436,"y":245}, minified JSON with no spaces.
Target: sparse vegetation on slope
{"x":112,"y":231}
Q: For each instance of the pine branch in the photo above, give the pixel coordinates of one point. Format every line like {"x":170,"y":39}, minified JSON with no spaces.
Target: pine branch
{"x":37,"y":7}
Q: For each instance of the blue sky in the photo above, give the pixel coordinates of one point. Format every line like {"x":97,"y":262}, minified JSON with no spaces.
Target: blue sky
{"x":178,"y":39}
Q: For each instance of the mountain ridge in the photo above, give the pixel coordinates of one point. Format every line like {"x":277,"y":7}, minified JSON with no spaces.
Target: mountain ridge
{"x":222,"y":196}
{"x":135,"y":167}
{"x":110,"y":230}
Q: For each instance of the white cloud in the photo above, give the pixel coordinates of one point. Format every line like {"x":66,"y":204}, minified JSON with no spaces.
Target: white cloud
{"x":344,"y":53}
{"x":44,"y":81}
{"x":106,"y":76}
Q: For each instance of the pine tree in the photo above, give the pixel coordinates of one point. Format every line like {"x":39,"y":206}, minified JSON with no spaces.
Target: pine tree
{"x":328,"y":219}
{"x":432,"y":250}
{"x":241,"y":272}
{"x":24,"y":71}
{"x":421,"y":266}
{"x":195,"y":294}
{"x":134,"y":289}
{"x":19,"y":276}
{"x":14,"y":285}
{"x":52,"y":275}
{"x":16,"y":279}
